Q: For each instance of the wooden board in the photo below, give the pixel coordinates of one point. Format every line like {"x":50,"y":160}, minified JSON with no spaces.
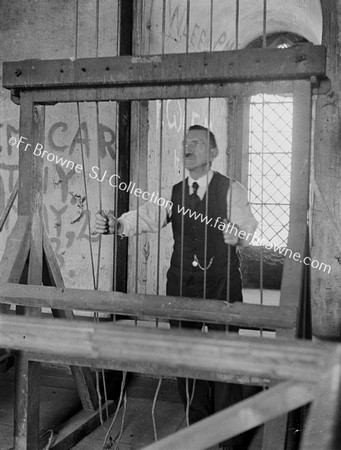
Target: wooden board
{"x":293,"y":270}
{"x":27,"y":386}
{"x":194,"y":90}
{"x":197,"y":355}
{"x":79,"y":426}
{"x":9,"y":205}
{"x":16,"y":251}
{"x":323,"y":427}
{"x":275,"y":432}
{"x":238,"y":418}
{"x":143,"y":305}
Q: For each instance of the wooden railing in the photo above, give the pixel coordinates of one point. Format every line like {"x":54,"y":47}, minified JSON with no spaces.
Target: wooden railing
{"x":307,"y":370}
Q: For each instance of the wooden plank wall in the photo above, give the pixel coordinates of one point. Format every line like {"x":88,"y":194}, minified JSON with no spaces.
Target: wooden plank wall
{"x":63,"y":204}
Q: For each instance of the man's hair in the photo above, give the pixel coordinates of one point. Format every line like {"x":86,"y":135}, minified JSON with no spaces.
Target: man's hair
{"x":213,"y":143}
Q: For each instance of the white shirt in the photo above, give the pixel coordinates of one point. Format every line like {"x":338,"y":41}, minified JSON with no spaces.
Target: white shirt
{"x":238,"y":209}
{"x":202,"y":182}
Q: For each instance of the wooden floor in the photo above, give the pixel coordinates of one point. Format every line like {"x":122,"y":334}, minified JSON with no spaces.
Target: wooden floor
{"x":59,"y":401}
{"x":137,"y":423}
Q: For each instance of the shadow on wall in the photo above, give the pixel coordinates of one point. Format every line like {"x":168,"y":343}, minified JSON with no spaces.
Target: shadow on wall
{"x":272,"y":267}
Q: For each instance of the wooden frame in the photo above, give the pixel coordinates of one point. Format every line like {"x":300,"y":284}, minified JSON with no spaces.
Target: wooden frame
{"x":194,"y":75}
{"x":323,"y":426}
{"x":299,"y":364}
{"x":145,"y":306}
{"x":177,"y":353}
{"x":297,"y":62}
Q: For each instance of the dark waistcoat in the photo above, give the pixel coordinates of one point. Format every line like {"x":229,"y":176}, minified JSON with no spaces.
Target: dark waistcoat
{"x":193,"y":242}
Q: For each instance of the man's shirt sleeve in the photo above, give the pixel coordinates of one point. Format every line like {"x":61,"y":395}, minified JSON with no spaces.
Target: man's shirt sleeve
{"x":240,"y":213}
{"x":144,"y":220}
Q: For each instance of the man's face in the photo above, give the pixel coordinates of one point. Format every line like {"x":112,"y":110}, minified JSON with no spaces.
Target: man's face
{"x":197,"y":155}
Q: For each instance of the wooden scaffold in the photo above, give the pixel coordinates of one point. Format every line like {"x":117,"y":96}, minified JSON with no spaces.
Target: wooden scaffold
{"x":292,"y":369}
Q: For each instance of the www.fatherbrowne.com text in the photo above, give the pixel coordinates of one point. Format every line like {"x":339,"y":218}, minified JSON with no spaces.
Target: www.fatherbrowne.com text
{"x":114,"y":181}
{"x":231,"y":228}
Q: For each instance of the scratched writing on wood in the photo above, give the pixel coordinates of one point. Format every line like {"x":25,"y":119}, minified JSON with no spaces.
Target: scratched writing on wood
{"x":199,"y":25}
{"x":64,"y":207}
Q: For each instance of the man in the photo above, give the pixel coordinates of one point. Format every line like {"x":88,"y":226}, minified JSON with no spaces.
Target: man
{"x":199,"y":263}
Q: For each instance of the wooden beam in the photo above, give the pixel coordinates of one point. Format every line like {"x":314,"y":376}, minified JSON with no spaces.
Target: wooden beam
{"x":27,"y":402}
{"x":16,"y":251}
{"x":6,"y":360}
{"x":34,"y":166}
{"x":194,"y":90}
{"x":323,"y":427}
{"x":26,"y":162}
{"x":128,"y":93}
{"x":293,"y":271}
{"x":296,"y":62}
{"x":9,"y":205}
{"x":79,"y":426}
{"x":292,"y":281}
{"x":239,"y":418}
{"x":143,"y":305}
{"x":188,"y":354}
{"x":27,"y":394}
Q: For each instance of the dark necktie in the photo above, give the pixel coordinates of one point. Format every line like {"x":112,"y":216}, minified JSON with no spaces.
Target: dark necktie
{"x":194,"y":197}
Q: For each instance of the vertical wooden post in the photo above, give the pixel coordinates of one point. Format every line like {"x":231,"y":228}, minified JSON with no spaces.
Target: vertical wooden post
{"x":293,"y":272}
{"x":323,"y":426}
{"x":27,"y":401}
{"x":124,"y":127}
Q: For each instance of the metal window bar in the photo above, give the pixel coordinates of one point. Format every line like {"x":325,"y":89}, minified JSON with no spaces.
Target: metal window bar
{"x":264,"y":22}
{"x":237,"y":26}
{"x":188,"y":8}
{"x":163,"y":32}
{"x":117,"y":109}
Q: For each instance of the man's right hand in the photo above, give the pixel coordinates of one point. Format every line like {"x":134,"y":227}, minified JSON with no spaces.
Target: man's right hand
{"x":107,"y":223}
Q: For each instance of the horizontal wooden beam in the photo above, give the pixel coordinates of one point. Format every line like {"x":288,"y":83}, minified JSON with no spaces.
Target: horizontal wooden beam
{"x":239,"y":418}
{"x":142,"y":305}
{"x":301,"y":61}
{"x":127,"y":93}
{"x":194,"y":90}
{"x":193,"y":354}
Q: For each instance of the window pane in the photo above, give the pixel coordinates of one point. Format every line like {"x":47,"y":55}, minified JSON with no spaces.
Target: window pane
{"x":270,"y":146}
